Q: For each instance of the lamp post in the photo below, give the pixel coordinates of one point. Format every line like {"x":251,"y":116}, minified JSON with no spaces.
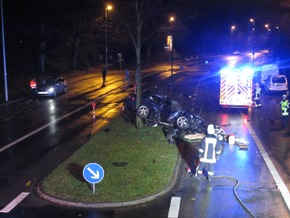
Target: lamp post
{"x":4,"y":53}
{"x":171,"y":20}
{"x":253,"y":40}
{"x":232,"y":31}
{"x":108,"y":8}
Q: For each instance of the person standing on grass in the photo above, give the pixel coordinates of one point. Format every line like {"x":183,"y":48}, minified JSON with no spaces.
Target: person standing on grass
{"x":104,"y":74}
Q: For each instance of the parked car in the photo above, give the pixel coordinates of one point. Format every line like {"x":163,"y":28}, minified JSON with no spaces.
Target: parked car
{"x":51,"y":87}
{"x":162,"y":110}
{"x":276,"y":83}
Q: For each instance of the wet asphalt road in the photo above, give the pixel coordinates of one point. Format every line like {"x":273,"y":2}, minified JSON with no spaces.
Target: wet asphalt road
{"x":25,"y":163}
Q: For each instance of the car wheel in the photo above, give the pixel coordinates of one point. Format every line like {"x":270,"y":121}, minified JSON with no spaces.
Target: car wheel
{"x":182,"y":122}
{"x":143,"y":111}
{"x":54,"y":94}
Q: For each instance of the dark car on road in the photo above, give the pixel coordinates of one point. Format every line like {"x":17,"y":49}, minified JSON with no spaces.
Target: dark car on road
{"x":52,"y":87}
{"x":162,"y":110}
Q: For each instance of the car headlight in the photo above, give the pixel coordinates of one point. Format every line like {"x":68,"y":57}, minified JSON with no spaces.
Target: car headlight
{"x":51,"y":89}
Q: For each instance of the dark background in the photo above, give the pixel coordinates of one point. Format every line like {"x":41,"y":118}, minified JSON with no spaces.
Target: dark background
{"x":45,"y":37}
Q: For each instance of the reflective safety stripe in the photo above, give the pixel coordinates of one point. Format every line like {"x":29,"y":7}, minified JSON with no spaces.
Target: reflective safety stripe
{"x":285,"y":107}
{"x":235,"y":89}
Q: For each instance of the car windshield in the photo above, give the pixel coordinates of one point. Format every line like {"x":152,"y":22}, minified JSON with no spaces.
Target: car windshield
{"x":48,"y":82}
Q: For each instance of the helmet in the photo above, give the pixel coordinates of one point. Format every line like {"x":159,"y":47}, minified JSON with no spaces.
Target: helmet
{"x":257,"y":84}
{"x":210,"y":129}
{"x":284,"y":96}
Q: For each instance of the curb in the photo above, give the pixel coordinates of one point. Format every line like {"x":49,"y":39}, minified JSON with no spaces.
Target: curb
{"x":162,"y":193}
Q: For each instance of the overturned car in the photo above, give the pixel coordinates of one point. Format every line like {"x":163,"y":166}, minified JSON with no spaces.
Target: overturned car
{"x":156,"y":109}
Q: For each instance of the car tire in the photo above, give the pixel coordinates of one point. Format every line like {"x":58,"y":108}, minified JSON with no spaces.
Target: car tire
{"x":182,"y":122}
{"x":54,"y":94}
{"x":143,"y":111}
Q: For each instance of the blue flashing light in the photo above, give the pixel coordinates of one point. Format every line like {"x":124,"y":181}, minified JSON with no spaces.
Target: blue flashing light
{"x":245,"y":70}
{"x":226,"y":71}
{"x":248,"y":71}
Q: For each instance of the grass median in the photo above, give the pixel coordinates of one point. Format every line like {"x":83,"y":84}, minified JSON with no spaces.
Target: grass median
{"x":137,"y":163}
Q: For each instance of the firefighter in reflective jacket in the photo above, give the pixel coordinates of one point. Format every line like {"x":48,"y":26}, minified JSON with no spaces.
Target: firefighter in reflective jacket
{"x":209,"y":152}
{"x":285,"y":110}
{"x":256,"y":96}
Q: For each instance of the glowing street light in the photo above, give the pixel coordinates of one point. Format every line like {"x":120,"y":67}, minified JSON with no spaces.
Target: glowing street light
{"x":232,"y":31}
{"x":267,"y":27}
{"x":253,"y":29}
{"x":253,"y":23}
{"x":107,"y":9}
{"x":171,"y":20}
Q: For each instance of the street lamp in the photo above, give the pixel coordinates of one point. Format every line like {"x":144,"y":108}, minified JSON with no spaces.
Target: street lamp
{"x":107,"y":9}
{"x":253,"y":41}
{"x":232,"y":30}
{"x":171,"y":20}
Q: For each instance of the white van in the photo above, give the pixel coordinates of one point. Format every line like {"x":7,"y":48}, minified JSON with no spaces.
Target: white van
{"x":267,"y":70}
{"x":276,"y":83}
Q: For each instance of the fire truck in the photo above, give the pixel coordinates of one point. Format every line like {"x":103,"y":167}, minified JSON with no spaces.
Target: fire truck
{"x":236,"y":86}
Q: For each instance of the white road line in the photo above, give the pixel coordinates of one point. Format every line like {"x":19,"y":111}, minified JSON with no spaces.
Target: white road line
{"x":14,"y":202}
{"x":43,"y":127}
{"x":174,"y":207}
{"x":278,"y":180}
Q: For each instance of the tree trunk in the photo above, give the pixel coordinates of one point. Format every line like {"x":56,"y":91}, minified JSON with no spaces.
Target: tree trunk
{"x":75,"y":52}
{"x":138,"y":76}
{"x":41,"y":62}
{"x":42,"y":50}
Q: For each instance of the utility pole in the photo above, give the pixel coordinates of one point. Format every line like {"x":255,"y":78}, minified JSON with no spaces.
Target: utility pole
{"x":4,"y":54}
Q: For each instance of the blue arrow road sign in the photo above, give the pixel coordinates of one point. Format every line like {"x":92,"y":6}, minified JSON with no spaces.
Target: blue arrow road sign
{"x":93,"y":173}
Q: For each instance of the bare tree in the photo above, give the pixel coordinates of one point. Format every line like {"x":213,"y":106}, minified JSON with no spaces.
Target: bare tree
{"x":146,"y":14}
{"x":138,"y":7}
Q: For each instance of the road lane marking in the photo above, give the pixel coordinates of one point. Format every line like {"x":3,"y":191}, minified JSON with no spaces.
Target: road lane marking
{"x":278,"y":180}
{"x":14,"y":202}
{"x":174,"y":207}
{"x":56,"y":120}
{"x":43,"y":127}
